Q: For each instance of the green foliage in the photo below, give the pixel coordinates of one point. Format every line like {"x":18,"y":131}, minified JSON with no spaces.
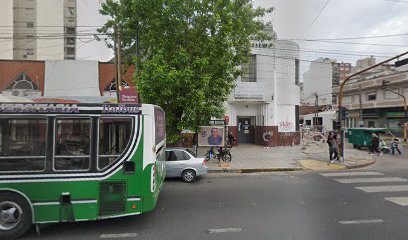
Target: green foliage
{"x":189,"y":53}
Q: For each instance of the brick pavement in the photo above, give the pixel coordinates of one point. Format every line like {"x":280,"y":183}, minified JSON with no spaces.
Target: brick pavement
{"x":253,"y":158}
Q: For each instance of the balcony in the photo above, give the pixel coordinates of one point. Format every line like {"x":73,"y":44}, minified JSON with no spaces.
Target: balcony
{"x":248,"y":90}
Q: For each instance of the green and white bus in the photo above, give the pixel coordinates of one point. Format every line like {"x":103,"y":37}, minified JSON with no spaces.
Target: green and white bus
{"x":78,"y":162}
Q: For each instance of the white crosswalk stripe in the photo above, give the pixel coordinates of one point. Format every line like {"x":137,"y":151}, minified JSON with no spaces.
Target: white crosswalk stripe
{"x":362,"y":178}
{"x":371,"y":180}
{"x":346,"y":174}
{"x":403,"y":201}
{"x":377,"y":189}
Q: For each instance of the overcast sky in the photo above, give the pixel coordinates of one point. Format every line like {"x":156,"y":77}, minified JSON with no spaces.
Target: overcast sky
{"x":308,"y":20}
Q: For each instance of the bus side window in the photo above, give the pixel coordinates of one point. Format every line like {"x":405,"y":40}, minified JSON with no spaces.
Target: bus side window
{"x":113,"y":139}
{"x":22,"y":144}
{"x":72,"y":144}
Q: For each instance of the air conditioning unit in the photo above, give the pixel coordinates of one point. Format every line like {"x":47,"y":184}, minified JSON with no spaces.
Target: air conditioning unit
{"x":19,"y":92}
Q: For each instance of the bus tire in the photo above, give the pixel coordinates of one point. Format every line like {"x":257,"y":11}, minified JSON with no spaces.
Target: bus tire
{"x":15,"y":215}
{"x":188,"y":175}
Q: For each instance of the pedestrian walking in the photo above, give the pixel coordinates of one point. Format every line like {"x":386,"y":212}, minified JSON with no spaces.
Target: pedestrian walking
{"x":330,"y":145}
{"x":375,"y":143}
{"x":231,"y":139}
{"x":334,"y":148}
{"x":266,"y":137}
{"x":394,"y":146}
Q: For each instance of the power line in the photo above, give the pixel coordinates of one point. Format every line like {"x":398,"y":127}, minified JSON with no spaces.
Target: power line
{"x":321,"y":10}
{"x":400,"y":1}
{"x":353,"y":38}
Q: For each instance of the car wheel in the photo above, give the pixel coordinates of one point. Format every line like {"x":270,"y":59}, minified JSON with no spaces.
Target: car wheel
{"x":188,"y":175}
{"x":15,"y":215}
{"x":227,"y":157}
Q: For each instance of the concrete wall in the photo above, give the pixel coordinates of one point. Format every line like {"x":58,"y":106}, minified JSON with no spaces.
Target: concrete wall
{"x":318,"y":78}
{"x":6,"y":19}
{"x":71,"y":78}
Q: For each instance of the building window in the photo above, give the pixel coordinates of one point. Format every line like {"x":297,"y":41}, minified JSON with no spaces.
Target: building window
{"x":348,"y":99}
{"x":71,"y":41}
{"x":71,"y":10}
{"x":70,"y":30}
{"x":371,"y":124}
{"x":249,"y":70}
{"x":22,"y":82}
{"x":30,"y":51}
{"x":371,"y":96}
{"x":71,"y":51}
{"x":334,"y":99}
{"x":30,"y":25}
{"x":112,"y":85}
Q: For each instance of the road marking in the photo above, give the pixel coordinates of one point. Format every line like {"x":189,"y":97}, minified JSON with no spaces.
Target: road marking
{"x":119,"y":235}
{"x":369,"y":180}
{"x":364,"y":221}
{"x":341,"y":174}
{"x":403,"y":201}
{"x":224,"y":230}
{"x":399,"y":188}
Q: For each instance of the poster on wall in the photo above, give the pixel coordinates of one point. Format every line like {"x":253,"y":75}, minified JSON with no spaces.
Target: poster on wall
{"x":211,"y":136}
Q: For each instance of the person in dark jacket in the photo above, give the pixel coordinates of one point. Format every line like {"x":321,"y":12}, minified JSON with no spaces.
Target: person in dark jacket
{"x":375,"y":143}
{"x":231,"y":139}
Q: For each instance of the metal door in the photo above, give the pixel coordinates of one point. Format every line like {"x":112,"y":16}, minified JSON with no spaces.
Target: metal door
{"x":245,"y":130}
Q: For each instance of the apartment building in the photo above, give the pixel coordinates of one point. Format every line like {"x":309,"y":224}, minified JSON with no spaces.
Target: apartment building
{"x":38,"y":29}
{"x":369,"y":105}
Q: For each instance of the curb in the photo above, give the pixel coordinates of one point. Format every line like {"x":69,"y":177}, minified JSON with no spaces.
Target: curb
{"x":254,"y":170}
{"x":361,"y":165}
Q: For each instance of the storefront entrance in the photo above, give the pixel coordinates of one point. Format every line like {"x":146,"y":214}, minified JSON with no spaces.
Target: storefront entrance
{"x":246,"y":129}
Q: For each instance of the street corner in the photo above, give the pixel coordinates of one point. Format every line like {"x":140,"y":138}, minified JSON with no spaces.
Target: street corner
{"x":358,"y":162}
{"x":312,"y":164}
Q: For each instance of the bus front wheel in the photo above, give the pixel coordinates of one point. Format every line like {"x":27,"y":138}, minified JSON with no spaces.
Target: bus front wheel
{"x":15,"y":215}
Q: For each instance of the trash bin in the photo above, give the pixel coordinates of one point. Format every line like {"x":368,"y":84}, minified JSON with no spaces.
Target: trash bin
{"x":361,"y":137}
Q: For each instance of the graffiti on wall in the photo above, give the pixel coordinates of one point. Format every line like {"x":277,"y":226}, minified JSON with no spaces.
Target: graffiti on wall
{"x":286,"y":126}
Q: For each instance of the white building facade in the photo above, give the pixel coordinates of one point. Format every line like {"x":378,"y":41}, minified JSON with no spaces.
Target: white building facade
{"x":267,"y":97}
{"x":318,"y":80}
{"x":38,"y":29}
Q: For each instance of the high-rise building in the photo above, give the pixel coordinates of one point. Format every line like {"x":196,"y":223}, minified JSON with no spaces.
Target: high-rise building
{"x":38,"y":29}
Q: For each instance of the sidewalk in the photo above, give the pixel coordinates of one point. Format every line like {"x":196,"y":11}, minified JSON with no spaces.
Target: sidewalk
{"x":253,"y":158}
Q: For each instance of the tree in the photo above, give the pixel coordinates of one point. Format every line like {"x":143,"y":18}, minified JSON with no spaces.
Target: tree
{"x":188,"y":53}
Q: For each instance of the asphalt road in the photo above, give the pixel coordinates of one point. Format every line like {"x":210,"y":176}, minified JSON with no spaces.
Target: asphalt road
{"x":295,"y":205}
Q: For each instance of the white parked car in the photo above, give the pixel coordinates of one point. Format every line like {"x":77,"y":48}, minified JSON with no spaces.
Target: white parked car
{"x":182,"y":162}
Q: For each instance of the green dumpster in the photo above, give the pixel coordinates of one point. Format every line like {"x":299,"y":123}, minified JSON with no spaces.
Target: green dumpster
{"x":361,"y":137}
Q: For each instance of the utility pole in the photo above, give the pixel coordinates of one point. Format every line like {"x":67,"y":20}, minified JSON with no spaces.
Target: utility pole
{"x":361,"y":106}
{"x":115,"y":49}
{"x":340,"y":131}
{"x":119,"y":65}
{"x":316,"y":121}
